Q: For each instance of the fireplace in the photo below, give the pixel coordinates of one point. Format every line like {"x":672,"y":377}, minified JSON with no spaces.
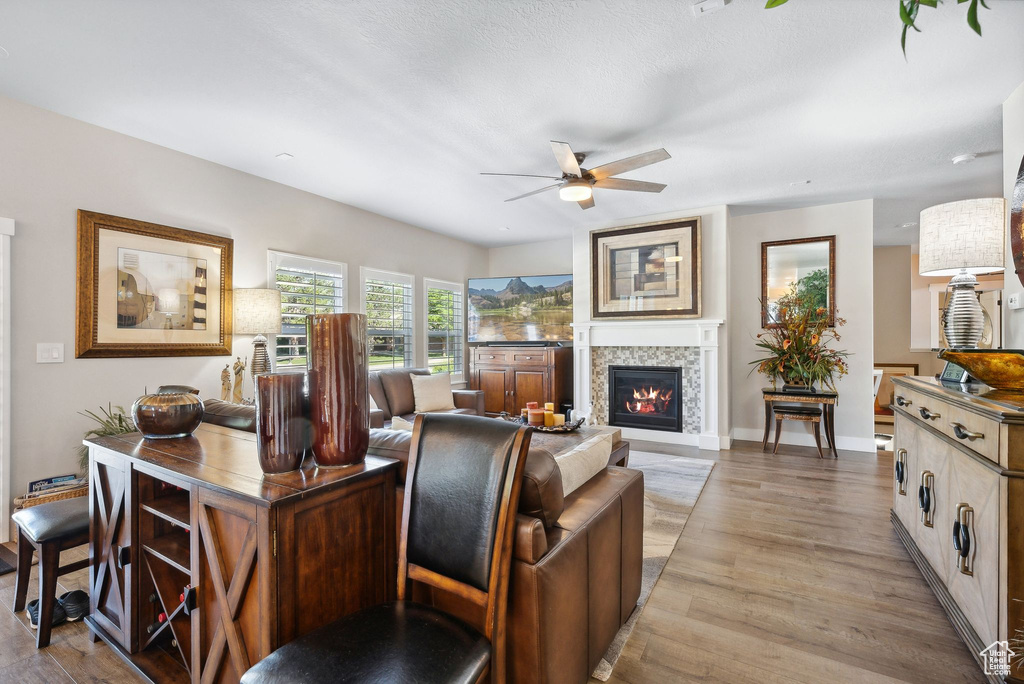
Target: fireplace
{"x":645,"y":397}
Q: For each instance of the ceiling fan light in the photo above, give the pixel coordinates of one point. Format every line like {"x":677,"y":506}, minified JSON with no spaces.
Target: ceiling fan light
{"x":575,"y":191}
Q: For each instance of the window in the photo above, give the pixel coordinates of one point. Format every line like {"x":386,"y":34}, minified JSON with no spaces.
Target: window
{"x":444,"y":327}
{"x":307,"y":286}
{"x":387,"y":301}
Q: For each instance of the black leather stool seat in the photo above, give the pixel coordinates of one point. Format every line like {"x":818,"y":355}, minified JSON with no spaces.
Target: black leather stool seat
{"x":797,"y":410}
{"x":392,"y":642}
{"x":54,"y":520}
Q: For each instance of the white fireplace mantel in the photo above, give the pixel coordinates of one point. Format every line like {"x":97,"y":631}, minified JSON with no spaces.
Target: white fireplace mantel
{"x":701,"y":332}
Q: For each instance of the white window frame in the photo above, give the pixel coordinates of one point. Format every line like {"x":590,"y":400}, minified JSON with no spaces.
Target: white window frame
{"x":433,"y":284}
{"x":6,"y":233}
{"x":277,"y":259}
{"x":367,"y":273}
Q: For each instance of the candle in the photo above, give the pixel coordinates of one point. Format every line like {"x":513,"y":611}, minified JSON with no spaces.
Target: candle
{"x":549,"y":418}
{"x":523,"y":412}
{"x":531,"y":404}
{"x":549,"y":406}
{"x":559,"y":419}
{"x":535,"y":416}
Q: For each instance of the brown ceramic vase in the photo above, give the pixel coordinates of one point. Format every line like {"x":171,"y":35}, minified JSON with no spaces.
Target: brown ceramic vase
{"x":338,"y":388}
{"x":282,"y":434}
{"x":167,"y":416}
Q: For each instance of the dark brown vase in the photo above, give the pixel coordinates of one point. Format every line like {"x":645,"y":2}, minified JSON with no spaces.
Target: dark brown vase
{"x":338,"y":388}
{"x":282,"y":429}
{"x":168,"y":415}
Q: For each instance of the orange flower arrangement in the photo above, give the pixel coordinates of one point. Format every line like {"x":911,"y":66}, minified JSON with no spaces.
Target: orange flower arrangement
{"x":797,"y":346}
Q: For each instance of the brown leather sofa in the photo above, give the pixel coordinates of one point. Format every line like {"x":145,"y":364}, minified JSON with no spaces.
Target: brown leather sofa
{"x":577,"y":559}
{"x":392,"y":392}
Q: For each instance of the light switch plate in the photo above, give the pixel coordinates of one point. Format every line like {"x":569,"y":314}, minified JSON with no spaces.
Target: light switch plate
{"x":50,"y":352}
{"x":1013,"y":301}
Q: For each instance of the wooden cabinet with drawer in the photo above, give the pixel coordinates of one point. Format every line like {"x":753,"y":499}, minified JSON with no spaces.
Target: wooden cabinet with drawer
{"x":958,"y":508}
{"x":512,"y":376}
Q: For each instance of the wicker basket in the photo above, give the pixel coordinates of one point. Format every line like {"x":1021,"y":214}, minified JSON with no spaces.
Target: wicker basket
{"x":70,"y":493}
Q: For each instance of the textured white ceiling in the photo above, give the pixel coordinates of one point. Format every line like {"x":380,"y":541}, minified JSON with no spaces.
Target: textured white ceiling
{"x":396,"y":106}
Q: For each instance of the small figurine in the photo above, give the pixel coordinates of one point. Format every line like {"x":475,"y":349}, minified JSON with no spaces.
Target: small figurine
{"x":225,"y":383}
{"x":239,"y":369}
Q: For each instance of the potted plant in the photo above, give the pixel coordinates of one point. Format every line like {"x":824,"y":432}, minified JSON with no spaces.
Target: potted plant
{"x":110,"y":421}
{"x":798,"y":348}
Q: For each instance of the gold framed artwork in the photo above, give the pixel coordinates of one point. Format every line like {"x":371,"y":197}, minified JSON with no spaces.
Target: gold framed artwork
{"x":647,"y":271}
{"x":886,"y":390}
{"x":150,"y":290}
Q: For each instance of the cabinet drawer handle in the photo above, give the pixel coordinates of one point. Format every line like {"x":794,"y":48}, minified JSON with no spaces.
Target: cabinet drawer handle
{"x":963,"y":433}
{"x":900,"y":401}
{"x":124,"y":556}
{"x":490,"y":357}
{"x":928,"y":415}
{"x":924,"y":497}
{"x":901,"y":471}
{"x":527,"y":357}
{"x":962,"y":538}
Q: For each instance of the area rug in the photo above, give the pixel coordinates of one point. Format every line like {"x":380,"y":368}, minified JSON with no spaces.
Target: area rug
{"x":671,"y":487}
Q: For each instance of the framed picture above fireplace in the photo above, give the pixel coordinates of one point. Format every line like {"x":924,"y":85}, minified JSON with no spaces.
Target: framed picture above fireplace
{"x":647,"y":271}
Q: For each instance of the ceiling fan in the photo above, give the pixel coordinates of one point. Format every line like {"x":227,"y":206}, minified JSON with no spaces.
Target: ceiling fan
{"x":576,"y":183}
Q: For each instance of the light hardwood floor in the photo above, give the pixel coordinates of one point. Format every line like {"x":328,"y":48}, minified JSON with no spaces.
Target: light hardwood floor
{"x":788,"y":570}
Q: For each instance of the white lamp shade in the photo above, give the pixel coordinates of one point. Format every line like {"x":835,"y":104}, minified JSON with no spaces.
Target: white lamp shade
{"x":968,"y":235}
{"x":256,"y":311}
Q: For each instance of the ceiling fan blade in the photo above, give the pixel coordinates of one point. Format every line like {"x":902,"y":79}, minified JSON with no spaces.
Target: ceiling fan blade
{"x":535,"y":192}
{"x":566,"y":159}
{"x":587,"y":203}
{"x":520,"y":175}
{"x":626,"y":184}
{"x":629,"y":163}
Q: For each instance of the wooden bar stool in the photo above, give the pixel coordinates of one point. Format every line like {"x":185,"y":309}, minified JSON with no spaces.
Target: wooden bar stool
{"x":48,"y":529}
{"x":805,"y":414}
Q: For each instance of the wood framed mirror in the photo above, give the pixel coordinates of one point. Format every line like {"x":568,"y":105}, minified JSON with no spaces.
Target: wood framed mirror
{"x":806,"y":266}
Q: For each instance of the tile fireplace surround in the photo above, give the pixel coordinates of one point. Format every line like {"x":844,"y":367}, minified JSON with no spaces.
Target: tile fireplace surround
{"x":689,"y":345}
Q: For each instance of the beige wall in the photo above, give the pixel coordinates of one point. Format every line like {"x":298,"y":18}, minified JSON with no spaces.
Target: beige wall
{"x":894,"y":268}
{"x":550,"y":257}
{"x":1013,"y":152}
{"x":51,"y":165}
{"x":852,"y":224}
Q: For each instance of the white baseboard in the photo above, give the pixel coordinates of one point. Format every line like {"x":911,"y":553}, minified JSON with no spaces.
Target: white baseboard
{"x":705,"y":442}
{"x":804,"y":439}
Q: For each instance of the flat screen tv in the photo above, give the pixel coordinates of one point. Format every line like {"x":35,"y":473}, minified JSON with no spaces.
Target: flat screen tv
{"x":520,"y":309}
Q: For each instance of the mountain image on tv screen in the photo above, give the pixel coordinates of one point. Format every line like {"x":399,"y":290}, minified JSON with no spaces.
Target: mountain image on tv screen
{"x":520,"y":309}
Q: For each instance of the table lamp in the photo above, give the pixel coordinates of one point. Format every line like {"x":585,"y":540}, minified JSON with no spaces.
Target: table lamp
{"x":961,"y":239}
{"x":257,"y":312}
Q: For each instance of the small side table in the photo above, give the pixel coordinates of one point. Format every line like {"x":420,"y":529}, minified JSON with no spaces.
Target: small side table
{"x":825,"y":398}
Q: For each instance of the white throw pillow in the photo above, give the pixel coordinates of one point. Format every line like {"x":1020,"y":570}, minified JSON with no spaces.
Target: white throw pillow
{"x":399,"y":423}
{"x":584,"y":462}
{"x":373,"y":404}
{"x":432,"y":392}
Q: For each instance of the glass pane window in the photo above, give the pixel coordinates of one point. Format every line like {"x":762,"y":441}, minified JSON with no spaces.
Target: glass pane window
{"x":444,"y":328}
{"x":307,"y":286}
{"x":387,"y":299}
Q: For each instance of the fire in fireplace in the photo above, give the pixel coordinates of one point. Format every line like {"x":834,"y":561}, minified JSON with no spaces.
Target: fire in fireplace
{"x":644,"y":397}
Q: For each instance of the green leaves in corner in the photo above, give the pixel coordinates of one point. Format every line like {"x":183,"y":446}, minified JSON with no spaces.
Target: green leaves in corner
{"x":908,"y":14}
{"x":972,"y":13}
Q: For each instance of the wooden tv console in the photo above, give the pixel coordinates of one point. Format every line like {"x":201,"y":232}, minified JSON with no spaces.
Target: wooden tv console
{"x":512,"y":376}
{"x":958,"y":505}
{"x":238,"y":562}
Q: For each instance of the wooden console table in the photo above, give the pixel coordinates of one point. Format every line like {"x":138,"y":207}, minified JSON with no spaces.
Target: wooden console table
{"x":827,"y":399}
{"x":236,"y":562}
